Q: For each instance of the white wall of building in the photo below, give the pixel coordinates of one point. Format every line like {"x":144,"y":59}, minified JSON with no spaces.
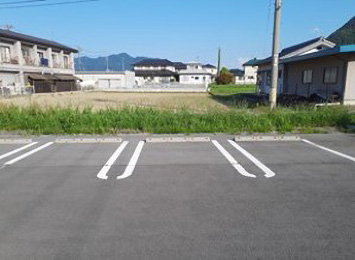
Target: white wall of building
{"x":250,"y":74}
{"x":195,"y":79}
{"x":171,"y":68}
{"x":349,"y":93}
{"x":106,"y":81}
{"x":140,"y":81}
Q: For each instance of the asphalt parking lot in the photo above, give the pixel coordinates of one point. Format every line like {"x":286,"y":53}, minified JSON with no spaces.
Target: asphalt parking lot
{"x":210,"y":199}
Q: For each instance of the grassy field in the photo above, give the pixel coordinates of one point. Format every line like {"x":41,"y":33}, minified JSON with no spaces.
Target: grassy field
{"x":195,"y":102}
{"x":112,"y":113}
{"x":232,"y":89}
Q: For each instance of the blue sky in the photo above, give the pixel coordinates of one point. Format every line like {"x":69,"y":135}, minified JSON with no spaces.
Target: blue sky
{"x":180,"y":30}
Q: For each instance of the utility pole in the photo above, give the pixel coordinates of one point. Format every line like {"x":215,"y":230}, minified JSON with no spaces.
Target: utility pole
{"x":275,"y":55}
{"x":219,"y":62}
{"x":123,"y":67}
{"x":80,"y":67}
{"x":107,"y":69}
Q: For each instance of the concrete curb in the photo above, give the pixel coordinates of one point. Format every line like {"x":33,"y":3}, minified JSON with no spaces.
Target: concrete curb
{"x":178,"y":140}
{"x":88,"y":141}
{"x":267,"y":138}
{"x":15,"y":141}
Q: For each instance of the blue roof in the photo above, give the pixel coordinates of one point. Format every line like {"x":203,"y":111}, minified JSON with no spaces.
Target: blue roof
{"x":347,"y":48}
{"x":329,"y":52}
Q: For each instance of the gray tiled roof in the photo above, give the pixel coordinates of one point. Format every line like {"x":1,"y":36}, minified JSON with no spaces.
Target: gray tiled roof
{"x":209,"y":66}
{"x":31,"y":39}
{"x":154,"y":63}
{"x":155,"y":73}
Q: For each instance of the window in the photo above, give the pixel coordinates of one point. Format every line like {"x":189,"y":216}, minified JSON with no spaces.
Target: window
{"x":55,"y":60}
{"x":40,"y":55}
{"x":5,"y":54}
{"x":66,"y":62}
{"x":330,"y":75}
{"x":197,"y":78}
{"x":26,"y":52}
{"x":280,"y":74}
{"x":307,"y":76}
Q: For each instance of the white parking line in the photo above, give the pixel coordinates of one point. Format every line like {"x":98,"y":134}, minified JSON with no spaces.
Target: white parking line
{"x":330,"y":150}
{"x":234,"y":163}
{"x":28,"y":154}
{"x":132,"y":163}
{"x":17,"y":150}
{"x":268,"y":173}
{"x":103,"y":173}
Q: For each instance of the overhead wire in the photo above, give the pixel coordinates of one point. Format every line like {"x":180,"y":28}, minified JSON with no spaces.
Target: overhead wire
{"x":47,"y":4}
{"x":21,"y":2}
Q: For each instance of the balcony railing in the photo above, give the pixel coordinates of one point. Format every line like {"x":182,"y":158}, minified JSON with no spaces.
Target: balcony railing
{"x":29,"y":61}
{"x":10,"y":60}
{"x":57,"y":65}
{"x":68,"y":66}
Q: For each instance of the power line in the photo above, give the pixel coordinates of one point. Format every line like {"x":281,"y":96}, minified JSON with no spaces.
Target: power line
{"x":22,"y":2}
{"x":49,"y":4}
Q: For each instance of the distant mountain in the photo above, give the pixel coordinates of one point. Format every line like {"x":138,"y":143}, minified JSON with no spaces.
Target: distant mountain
{"x":117,"y":62}
{"x":345,"y":35}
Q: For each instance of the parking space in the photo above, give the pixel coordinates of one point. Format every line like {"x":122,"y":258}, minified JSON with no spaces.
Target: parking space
{"x":287,"y":159}
{"x":343,"y":143}
{"x":177,"y":200}
{"x":247,"y":159}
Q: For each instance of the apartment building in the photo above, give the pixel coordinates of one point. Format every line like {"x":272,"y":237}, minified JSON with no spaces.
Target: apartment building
{"x":31,"y":64}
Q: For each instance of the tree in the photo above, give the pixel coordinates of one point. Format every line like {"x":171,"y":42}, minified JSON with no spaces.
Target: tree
{"x":225,"y":77}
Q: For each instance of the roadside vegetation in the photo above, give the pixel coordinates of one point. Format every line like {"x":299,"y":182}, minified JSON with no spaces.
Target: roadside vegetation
{"x":231,"y":89}
{"x":56,"y":120}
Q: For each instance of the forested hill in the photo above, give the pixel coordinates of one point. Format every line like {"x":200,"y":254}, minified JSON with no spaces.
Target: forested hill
{"x":118,"y":62}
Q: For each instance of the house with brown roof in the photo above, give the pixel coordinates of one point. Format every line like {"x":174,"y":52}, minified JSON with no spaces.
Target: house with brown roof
{"x":28,"y":62}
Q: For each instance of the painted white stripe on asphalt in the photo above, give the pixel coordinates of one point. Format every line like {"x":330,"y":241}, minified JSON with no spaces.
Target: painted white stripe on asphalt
{"x":268,"y":173}
{"x":103,"y":173}
{"x":28,"y":154}
{"x":330,"y":150}
{"x":234,"y":163}
{"x":17,"y":150}
{"x":132,"y":163}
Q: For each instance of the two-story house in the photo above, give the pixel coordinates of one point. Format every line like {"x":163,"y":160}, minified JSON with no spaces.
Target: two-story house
{"x":162,"y":71}
{"x":35,"y":64}
{"x":196,"y":73}
{"x":155,"y":71}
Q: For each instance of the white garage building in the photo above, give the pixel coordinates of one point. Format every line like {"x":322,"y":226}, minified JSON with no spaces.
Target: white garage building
{"x":103,"y":80}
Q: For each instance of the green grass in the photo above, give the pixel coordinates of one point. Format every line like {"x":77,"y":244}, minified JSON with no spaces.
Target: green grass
{"x":231,"y":89}
{"x":34,"y":120}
